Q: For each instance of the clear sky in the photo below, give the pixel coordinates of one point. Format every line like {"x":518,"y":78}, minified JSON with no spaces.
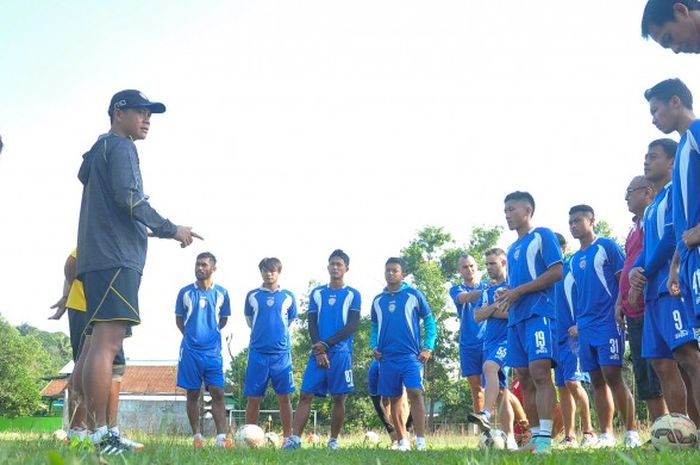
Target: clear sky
{"x":296,"y":127}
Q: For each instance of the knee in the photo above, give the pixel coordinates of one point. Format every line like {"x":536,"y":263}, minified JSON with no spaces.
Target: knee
{"x":339,"y":401}
{"x":306,"y":398}
{"x":414,"y":395}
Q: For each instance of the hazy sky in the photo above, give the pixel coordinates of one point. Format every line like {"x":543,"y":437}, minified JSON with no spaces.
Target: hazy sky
{"x":296,"y":127}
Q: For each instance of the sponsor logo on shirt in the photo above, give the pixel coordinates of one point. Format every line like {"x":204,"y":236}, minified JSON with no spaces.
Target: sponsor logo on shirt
{"x":392,"y":306}
{"x":516,"y":252}
{"x":270,"y":301}
{"x":582,"y":263}
{"x":331,"y":300}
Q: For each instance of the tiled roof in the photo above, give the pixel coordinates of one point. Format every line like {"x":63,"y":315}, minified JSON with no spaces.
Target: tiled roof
{"x":159,"y":379}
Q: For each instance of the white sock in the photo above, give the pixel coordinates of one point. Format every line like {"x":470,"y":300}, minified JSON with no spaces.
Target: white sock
{"x":114,"y":430}
{"x":96,"y":437}
{"x":198,"y":436}
{"x":485,"y":412}
{"x":420,"y":441}
{"x":632,"y":434}
{"x":545,"y":428}
{"x":403,"y":442}
{"x":606,"y":435}
{"x":220,"y":437}
{"x":535,"y":430}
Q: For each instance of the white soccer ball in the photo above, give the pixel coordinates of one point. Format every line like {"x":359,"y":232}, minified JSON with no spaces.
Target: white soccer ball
{"x":674,"y":431}
{"x":272,"y":439}
{"x":249,"y":436}
{"x":60,"y":435}
{"x":371,"y":438}
{"x":494,"y":439}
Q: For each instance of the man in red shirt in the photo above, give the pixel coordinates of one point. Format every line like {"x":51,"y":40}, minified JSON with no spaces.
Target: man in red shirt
{"x":639,"y":194}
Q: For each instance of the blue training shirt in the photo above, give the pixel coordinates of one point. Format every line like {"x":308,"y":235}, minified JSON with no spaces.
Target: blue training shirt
{"x":271,"y":313}
{"x":201,"y":310}
{"x":659,"y":243}
{"x":332,"y":307}
{"x":528,"y":258}
{"x":397,"y":316}
{"x":595,"y":272}
{"x":564,"y":303}
{"x":471,"y":333}
{"x":686,"y":185}
{"x":496,"y":330}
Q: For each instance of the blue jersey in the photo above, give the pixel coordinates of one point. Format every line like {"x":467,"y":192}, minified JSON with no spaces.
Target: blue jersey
{"x":397,"y":316}
{"x":332,"y":307}
{"x":201,"y":310}
{"x":528,"y":258}
{"x":686,"y":185}
{"x":564,"y":302}
{"x":496,"y":328}
{"x":471,"y":333}
{"x":271,"y":313}
{"x":595,"y":272}
{"x":659,"y":243}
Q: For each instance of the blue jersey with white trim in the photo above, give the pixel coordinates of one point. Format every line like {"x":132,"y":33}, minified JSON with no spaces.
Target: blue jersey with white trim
{"x":397,"y":316}
{"x":332,"y":307}
{"x":271,"y":313}
{"x":471,"y":333}
{"x":496,"y":328}
{"x":686,"y":185}
{"x":659,"y":243}
{"x":201,"y":310}
{"x":564,"y":302}
{"x":528,"y":258}
{"x":595,"y":271}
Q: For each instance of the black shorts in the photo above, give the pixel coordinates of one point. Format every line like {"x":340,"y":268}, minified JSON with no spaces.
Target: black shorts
{"x":112,"y":295}
{"x":648,"y":384}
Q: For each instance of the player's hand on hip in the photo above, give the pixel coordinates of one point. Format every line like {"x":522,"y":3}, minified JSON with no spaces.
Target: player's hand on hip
{"x":185,"y":236}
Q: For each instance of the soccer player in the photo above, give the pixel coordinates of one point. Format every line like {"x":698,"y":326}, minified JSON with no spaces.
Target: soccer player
{"x":673,"y":24}
{"x":396,"y":342}
{"x":596,"y":269}
{"x":269,"y":312}
{"x":639,"y":194}
{"x":115,"y":219}
{"x":669,"y":342}
{"x":201,"y":311}
{"x":333,"y":318}
{"x":568,"y":374}
{"x":534,"y":265}
{"x":471,"y":333}
{"x":495,"y":349}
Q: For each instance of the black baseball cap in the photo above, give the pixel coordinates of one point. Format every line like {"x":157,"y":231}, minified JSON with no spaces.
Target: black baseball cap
{"x":132,"y":98}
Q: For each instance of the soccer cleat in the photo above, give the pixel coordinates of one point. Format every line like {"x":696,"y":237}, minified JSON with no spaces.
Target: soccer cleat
{"x":131,"y":444}
{"x":333,"y":444}
{"x":291,"y":443}
{"x":541,"y":445}
{"x":394,"y":445}
{"x":198,"y":443}
{"x":568,"y":443}
{"x":605,"y":440}
{"x":403,"y":446}
{"x":225,"y":443}
{"x":421,"y":446}
{"x":589,"y":440}
{"x":511,"y":444}
{"x":481,"y":421}
{"x":111,"y":445}
{"x":632,"y":441}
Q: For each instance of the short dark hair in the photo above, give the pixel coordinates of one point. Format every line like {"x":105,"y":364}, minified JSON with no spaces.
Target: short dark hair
{"x":397,"y":260}
{"x":495,"y":251}
{"x":521,"y":196}
{"x":659,"y":12}
{"x":208,"y":255}
{"x":669,"y":146}
{"x":270,"y":264}
{"x":583,"y":208}
{"x":341,"y":255}
{"x":561,"y":239}
{"x":665,"y":90}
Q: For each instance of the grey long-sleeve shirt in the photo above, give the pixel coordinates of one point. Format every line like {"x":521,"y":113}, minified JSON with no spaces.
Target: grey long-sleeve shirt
{"x":114,"y":211}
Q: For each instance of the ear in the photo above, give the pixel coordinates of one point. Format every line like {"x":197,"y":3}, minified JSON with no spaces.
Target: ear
{"x":680,"y":11}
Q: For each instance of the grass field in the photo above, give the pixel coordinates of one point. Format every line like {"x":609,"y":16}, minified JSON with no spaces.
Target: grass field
{"x":35,"y":449}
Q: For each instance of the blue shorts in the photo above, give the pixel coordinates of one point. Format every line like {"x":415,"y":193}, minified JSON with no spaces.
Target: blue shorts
{"x":668,"y":324}
{"x":470,"y":360}
{"x":337,"y":379}
{"x":531,"y":339}
{"x":568,"y":364}
{"x":689,"y":280}
{"x":497,"y":354}
{"x":196,"y":368}
{"x":373,"y":378}
{"x":600,"y":346}
{"x":268,"y":367}
{"x":395,"y":373}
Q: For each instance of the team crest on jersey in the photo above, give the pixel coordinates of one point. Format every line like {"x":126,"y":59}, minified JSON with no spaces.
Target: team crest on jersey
{"x":516,"y":252}
{"x":582,"y":263}
{"x":331,"y":300}
{"x":270,"y":301}
{"x":392,"y":306}
{"x":202,"y":302}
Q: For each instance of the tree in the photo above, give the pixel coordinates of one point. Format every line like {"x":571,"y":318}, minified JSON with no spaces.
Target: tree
{"x":23,"y":362}
{"x":57,"y":346}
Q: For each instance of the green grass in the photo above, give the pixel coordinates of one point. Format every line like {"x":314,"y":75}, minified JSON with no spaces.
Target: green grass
{"x":47,"y":424}
{"x":33,"y":448}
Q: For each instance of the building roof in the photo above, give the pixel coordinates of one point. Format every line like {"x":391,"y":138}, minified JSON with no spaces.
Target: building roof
{"x":138,"y":379}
